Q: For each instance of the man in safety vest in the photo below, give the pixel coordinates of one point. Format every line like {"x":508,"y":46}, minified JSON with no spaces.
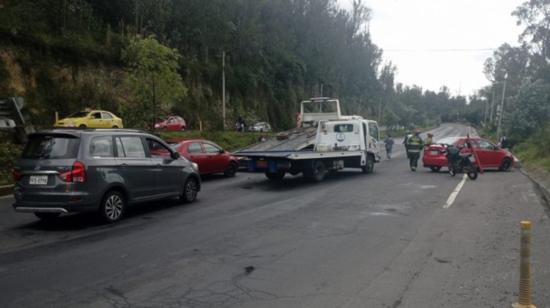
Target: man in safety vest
{"x":414,"y":147}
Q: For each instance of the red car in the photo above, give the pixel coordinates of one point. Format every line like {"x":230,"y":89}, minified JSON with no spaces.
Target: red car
{"x":173,"y":123}
{"x":210,"y":157}
{"x":489,"y":155}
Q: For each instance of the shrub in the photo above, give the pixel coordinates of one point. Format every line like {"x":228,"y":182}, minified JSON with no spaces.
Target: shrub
{"x":9,"y":153}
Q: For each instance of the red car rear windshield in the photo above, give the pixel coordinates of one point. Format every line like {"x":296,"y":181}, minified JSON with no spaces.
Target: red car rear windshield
{"x":51,"y":146}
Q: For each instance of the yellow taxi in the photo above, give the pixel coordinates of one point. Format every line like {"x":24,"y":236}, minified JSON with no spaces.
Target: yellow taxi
{"x":91,"y":119}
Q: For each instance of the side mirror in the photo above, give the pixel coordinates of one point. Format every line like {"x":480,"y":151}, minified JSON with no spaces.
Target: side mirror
{"x":175,"y":155}
{"x":222,"y":151}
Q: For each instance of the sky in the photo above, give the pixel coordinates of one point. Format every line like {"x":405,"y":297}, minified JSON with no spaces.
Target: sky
{"x":441,"y":42}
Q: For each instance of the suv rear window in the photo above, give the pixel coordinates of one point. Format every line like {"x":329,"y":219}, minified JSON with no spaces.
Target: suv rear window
{"x":51,"y":146}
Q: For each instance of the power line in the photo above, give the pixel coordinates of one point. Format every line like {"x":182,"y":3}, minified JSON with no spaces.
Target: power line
{"x":442,"y":50}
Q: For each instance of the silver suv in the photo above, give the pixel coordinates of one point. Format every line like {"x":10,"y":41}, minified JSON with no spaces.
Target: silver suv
{"x":105,"y":170}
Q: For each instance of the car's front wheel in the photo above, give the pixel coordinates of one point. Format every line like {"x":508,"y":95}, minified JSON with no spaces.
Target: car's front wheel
{"x":506,"y":164}
{"x":113,"y":206}
{"x":190,"y":190}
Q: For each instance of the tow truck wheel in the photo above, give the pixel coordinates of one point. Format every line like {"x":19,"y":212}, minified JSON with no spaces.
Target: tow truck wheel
{"x":369,"y":165}
{"x":317,"y":172}
{"x":275,"y":176}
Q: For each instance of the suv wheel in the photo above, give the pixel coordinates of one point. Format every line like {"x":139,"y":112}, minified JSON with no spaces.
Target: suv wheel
{"x":47,"y":216}
{"x":190,"y":190}
{"x":113,"y":206}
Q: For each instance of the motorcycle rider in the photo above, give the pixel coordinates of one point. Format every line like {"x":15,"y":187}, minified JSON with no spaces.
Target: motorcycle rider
{"x":414,"y":146}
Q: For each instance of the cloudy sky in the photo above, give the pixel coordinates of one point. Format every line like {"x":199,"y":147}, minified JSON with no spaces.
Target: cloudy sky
{"x":441,"y":42}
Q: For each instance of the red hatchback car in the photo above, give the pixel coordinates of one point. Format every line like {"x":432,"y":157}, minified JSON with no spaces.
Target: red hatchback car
{"x":489,"y":155}
{"x":173,"y":123}
{"x":210,"y":157}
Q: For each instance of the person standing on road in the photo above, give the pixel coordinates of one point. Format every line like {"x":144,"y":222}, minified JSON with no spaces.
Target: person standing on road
{"x":407,"y":136}
{"x":389,"y":146}
{"x":414,"y":147}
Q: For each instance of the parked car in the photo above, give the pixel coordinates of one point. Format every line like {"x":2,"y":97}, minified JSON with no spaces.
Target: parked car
{"x":62,"y":171}
{"x":210,"y":157}
{"x":91,"y":119}
{"x":172,"y":123}
{"x":489,"y":155}
{"x":260,"y":127}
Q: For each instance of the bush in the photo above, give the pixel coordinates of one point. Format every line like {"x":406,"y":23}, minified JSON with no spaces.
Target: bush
{"x":9,"y":153}
{"x":534,"y":151}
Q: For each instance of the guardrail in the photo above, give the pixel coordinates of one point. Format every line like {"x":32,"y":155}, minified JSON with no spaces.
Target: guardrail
{"x":6,"y":190}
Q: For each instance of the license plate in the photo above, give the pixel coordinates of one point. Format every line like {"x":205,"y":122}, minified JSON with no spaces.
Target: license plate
{"x":38,"y":180}
{"x":434,"y":153}
{"x":261,"y":164}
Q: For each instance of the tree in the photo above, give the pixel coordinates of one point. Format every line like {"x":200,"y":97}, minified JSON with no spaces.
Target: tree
{"x":153,"y":79}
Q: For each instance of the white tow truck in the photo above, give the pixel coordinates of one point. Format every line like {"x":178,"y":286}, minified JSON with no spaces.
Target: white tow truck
{"x":324,"y":141}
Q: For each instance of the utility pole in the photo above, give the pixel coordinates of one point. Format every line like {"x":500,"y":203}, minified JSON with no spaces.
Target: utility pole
{"x":491,"y":112}
{"x":502,"y":107}
{"x":223,"y":88}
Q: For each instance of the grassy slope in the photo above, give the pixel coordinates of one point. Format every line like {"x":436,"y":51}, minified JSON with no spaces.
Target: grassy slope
{"x":229,"y":140}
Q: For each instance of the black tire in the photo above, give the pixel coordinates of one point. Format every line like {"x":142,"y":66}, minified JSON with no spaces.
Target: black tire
{"x":190,"y":190}
{"x":369,"y":165}
{"x":317,"y":172}
{"x":472,"y":174}
{"x":47,"y":216}
{"x":82,"y":126}
{"x":275,"y":176}
{"x":115,"y":127}
{"x":231,"y":170}
{"x":435,"y":168}
{"x":452,"y":170}
{"x":113,"y":206}
{"x":505,"y":165}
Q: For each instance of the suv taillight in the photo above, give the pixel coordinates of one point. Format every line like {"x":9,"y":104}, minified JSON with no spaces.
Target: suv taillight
{"x":17,"y":175}
{"x":77,"y":173}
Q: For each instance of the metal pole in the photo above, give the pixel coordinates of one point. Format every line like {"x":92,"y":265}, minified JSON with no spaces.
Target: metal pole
{"x":501,"y":108}
{"x":525,"y":287}
{"x":223,"y":88}
{"x":492,"y":110}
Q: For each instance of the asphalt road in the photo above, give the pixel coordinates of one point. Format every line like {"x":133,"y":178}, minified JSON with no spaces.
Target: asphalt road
{"x":354,"y":240}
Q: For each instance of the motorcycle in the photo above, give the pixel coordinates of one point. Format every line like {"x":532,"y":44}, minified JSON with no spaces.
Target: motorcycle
{"x":461,"y":163}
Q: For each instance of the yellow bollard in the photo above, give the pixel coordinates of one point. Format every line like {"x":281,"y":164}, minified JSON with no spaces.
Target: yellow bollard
{"x":525,"y":268}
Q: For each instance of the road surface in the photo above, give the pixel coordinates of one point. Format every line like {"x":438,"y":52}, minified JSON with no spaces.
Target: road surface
{"x":387,"y":239}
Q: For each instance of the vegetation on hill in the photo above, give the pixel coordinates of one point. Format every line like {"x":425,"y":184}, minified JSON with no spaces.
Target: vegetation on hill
{"x":520,"y":77}
{"x":64,"y":55}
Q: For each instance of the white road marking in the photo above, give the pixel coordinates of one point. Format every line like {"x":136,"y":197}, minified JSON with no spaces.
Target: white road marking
{"x":6,"y":197}
{"x":455,"y":192}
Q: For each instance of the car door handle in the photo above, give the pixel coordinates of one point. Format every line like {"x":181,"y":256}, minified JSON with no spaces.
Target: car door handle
{"x":124,"y":165}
